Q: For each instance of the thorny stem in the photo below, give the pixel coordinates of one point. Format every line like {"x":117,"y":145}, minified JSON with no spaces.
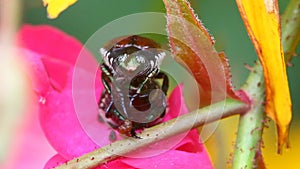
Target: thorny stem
{"x":251,"y":123}
{"x":249,"y":136}
{"x":159,"y":132}
{"x":291,"y":26}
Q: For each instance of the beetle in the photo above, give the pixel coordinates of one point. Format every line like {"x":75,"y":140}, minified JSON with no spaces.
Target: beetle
{"x":133,"y":98}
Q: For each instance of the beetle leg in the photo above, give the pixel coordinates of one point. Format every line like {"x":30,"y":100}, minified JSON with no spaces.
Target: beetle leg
{"x":126,"y":127}
{"x":142,"y":85}
{"x":165,"y":85}
{"x":112,"y":125}
{"x":133,"y":134}
{"x":108,"y":108}
{"x":101,"y":102}
{"x":106,"y":78}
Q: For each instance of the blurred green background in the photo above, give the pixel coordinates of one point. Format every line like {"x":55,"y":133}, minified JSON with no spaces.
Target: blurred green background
{"x":221,"y":18}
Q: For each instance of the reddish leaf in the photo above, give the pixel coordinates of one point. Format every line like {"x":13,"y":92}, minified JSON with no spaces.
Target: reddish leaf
{"x":193,"y":47}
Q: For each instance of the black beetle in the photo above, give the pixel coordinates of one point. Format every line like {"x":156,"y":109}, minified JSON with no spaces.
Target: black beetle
{"x":133,"y":98}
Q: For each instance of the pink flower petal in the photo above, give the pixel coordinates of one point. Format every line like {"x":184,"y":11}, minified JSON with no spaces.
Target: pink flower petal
{"x":116,"y":164}
{"x":57,"y":71}
{"x":54,"y":161}
{"x":60,"y":123}
{"x":55,"y":46}
{"x":176,"y":103}
{"x":62,"y":110}
{"x":30,"y":149}
{"x":62,"y":129}
{"x":191,"y":143}
{"x":172,"y":159}
{"x":38,"y":73}
{"x":57,"y":110}
{"x":50,"y":41}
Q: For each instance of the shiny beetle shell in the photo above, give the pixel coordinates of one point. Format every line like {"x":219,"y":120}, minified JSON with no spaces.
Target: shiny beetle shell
{"x":130,"y":74}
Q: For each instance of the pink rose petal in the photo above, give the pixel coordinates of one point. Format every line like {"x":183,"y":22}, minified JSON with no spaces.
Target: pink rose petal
{"x":38,"y":74}
{"x":61,"y":111}
{"x":55,"y":46}
{"x":50,"y":41}
{"x":172,"y":159}
{"x":54,"y":161}
{"x":61,"y":126}
{"x":57,"y":70}
{"x":116,"y":164}
{"x":30,"y":149}
{"x":58,"y":117}
{"x":176,"y":103}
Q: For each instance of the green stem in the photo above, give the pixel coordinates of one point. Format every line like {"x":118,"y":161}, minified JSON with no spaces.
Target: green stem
{"x":291,"y":26}
{"x":159,"y":132}
{"x":251,"y":123}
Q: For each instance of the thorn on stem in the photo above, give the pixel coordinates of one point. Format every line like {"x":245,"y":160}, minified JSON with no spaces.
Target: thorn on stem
{"x":248,"y":67}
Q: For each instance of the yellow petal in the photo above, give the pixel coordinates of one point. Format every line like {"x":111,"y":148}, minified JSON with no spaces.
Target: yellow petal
{"x":55,"y":7}
{"x":262,"y":21}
